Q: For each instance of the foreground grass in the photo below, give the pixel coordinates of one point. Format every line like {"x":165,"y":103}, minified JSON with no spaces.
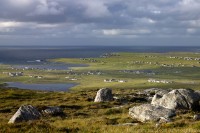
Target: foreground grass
{"x":81,"y":114}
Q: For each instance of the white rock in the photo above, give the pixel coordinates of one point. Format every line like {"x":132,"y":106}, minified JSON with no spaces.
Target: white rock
{"x":103,"y":95}
{"x":148,"y":112}
{"x":25,"y":113}
{"x":177,"y":99}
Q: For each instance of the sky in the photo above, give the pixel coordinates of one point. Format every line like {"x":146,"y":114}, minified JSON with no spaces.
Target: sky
{"x":100,"y":22}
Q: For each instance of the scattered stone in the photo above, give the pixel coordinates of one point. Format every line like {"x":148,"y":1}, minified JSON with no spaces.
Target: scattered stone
{"x":103,"y":95}
{"x":196,"y":117}
{"x":118,"y":107}
{"x":116,"y":98}
{"x":177,"y":99}
{"x":52,"y":111}
{"x":148,"y":112}
{"x":25,"y":113}
{"x":128,"y":124}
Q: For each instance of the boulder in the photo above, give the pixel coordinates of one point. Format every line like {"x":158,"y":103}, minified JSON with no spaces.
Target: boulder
{"x":52,"y":111}
{"x":103,"y":95}
{"x":148,"y":112}
{"x":177,"y":99}
{"x":25,"y":113}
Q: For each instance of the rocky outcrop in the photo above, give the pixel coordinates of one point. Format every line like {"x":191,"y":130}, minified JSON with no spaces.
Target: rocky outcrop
{"x":148,"y":112}
{"x":52,"y":111}
{"x":25,"y":113}
{"x":177,"y":99}
{"x":103,"y":95}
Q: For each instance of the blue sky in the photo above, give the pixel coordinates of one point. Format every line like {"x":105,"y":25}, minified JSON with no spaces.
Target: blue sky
{"x":100,"y":22}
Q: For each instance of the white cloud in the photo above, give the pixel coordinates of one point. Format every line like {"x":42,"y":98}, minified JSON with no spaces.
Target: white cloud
{"x":111,"y":32}
{"x":95,"y":8}
{"x":48,"y":8}
{"x":125,"y":31}
{"x":108,"y":18}
{"x":156,"y":12}
{"x":191,"y":30}
{"x":5,"y":24}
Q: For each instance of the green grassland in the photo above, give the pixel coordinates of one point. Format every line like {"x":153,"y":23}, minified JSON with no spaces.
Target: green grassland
{"x":81,"y":114}
{"x":183,"y":73}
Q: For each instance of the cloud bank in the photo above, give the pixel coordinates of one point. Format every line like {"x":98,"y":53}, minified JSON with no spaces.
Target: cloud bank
{"x":106,"y":19}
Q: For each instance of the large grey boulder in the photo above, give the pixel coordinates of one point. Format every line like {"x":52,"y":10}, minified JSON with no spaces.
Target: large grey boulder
{"x":103,"y":95}
{"x":177,"y":99}
{"x":25,"y":113}
{"x":148,"y":112}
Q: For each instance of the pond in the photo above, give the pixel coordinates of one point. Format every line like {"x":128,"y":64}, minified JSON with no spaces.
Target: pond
{"x":47,"y":66}
{"x":42,"y":87}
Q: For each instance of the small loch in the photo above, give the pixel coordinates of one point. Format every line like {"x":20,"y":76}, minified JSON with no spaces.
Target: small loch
{"x":42,"y":87}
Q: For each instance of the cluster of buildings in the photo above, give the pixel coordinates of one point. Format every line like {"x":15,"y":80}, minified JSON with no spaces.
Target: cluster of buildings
{"x":147,"y":72}
{"x":114,"y":80}
{"x":106,"y":55}
{"x":15,"y":74}
{"x":36,"y":76}
{"x":71,"y":72}
{"x":89,"y":59}
{"x":159,"y":81}
{"x":185,"y":58}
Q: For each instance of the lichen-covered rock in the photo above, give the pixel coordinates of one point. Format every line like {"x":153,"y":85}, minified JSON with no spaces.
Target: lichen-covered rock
{"x":52,"y":111}
{"x":148,"y":112}
{"x":177,"y":99}
{"x":25,"y":113}
{"x":103,"y":95}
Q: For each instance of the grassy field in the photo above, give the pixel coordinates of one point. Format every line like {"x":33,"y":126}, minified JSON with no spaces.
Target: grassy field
{"x":183,"y":73}
{"x":81,"y":113}
{"x":159,"y":66}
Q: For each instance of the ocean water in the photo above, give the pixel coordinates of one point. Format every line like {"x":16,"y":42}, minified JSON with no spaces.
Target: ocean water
{"x":30,"y":55}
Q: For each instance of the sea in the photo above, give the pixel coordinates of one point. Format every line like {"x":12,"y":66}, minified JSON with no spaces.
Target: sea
{"x":36,"y":54}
